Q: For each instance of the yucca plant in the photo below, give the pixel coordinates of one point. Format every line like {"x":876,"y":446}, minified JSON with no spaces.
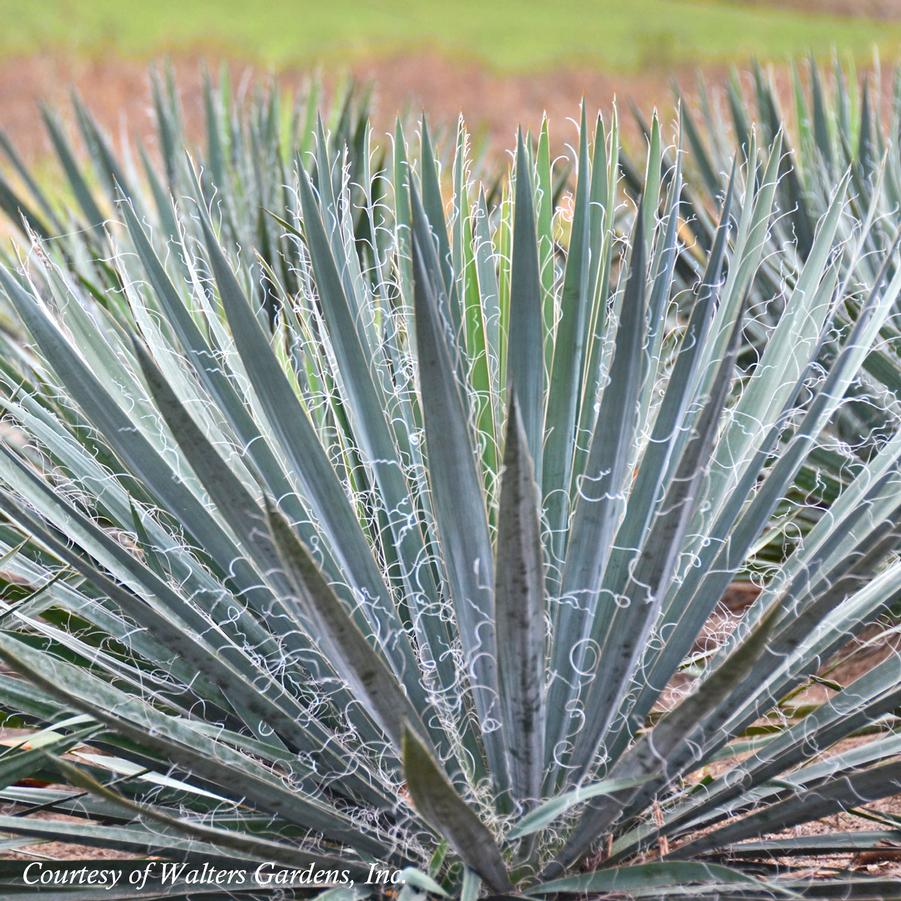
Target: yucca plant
{"x":850,"y":126}
{"x":387,"y":547}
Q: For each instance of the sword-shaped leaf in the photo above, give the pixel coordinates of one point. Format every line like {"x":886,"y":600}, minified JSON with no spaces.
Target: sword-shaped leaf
{"x":457,"y":497}
{"x":601,"y":493}
{"x":525,"y":347}
{"x":438,"y":802}
{"x":838,"y":793}
{"x":519,"y":598}
{"x":346,"y":647}
{"x":650,"y":878}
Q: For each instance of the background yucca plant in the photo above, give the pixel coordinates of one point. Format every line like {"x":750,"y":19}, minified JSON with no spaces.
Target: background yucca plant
{"x":851,"y":129}
{"x":356,"y":513}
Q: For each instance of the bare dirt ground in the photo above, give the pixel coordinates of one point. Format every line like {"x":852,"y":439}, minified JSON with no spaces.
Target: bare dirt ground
{"x":116,"y":90}
{"x":873,"y":9}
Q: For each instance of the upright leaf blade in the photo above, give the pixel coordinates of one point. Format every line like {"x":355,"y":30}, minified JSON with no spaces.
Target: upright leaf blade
{"x":601,"y":492}
{"x":345,"y":645}
{"x":437,"y":801}
{"x":525,"y":354}
{"x":457,"y":494}
{"x":520,"y":612}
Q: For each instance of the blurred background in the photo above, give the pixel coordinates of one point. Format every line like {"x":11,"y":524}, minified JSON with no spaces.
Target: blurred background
{"x":500,"y":63}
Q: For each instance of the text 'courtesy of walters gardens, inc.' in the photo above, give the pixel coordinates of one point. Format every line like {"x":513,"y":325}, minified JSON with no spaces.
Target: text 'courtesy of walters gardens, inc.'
{"x":158,"y":872}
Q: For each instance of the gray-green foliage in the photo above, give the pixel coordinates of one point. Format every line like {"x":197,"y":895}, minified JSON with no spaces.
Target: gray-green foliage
{"x":356,"y":511}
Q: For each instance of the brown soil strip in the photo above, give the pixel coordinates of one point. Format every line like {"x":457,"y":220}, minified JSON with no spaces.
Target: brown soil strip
{"x":867,"y":9}
{"x":493,"y":104}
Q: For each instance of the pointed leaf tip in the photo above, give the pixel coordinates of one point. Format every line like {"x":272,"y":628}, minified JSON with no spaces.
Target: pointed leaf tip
{"x":437,"y":801}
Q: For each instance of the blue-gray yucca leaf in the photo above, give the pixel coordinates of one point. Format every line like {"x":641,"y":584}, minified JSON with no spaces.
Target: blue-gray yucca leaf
{"x":829,"y":796}
{"x":526,"y":342}
{"x":653,"y":878}
{"x":457,"y":494}
{"x":343,"y":642}
{"x":520,"y":607}
{"x":570,"y":344}
{"x":218,"y":838}
{"x":600,"y":490}
{"x":436,"y":799}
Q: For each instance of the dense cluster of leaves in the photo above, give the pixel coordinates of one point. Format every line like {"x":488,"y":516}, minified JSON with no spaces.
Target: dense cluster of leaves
{"x":357,"y":513}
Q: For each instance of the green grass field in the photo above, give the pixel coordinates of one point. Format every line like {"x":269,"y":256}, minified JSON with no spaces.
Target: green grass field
{"x":618,"y":35}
